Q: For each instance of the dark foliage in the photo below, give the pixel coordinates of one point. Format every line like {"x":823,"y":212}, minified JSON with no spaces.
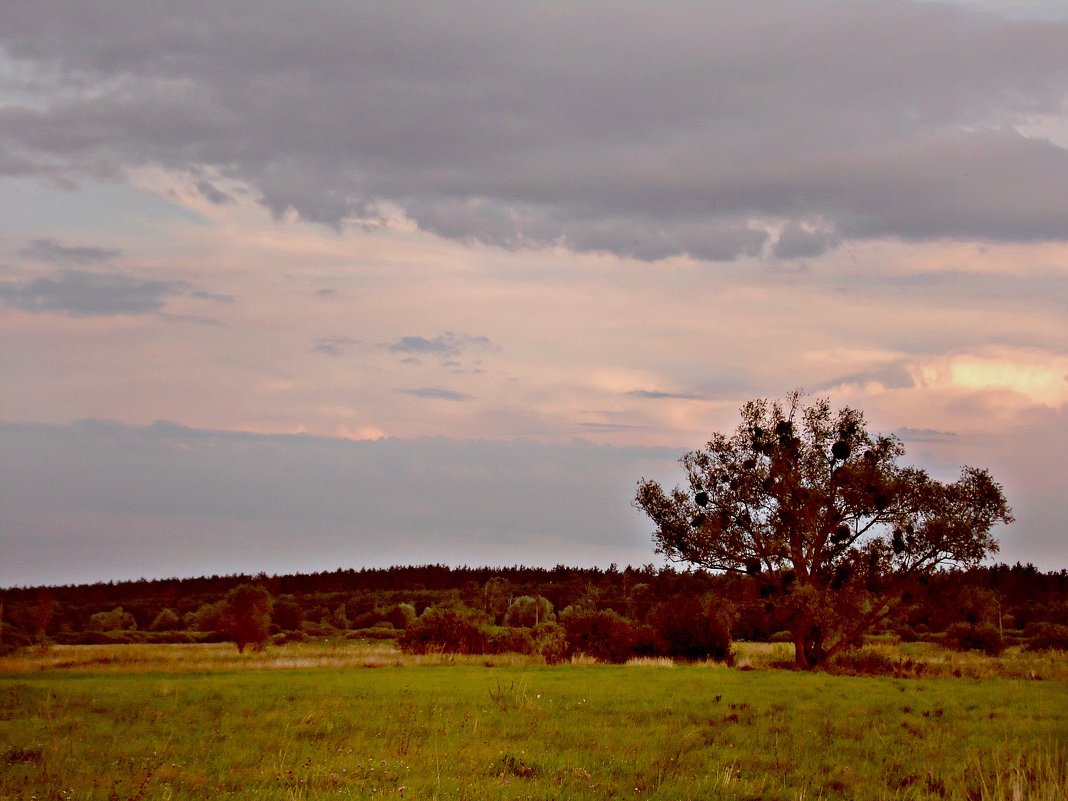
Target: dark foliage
{"x":245,"y":616}
{"x":1046,"y":637}
{"x":975,"y":637}
{"x":693,"y":628}
{"x":1019,"y":598}
{"x":820,"y":517}
{"x":447,"y":629}
{"x":604,"y":635}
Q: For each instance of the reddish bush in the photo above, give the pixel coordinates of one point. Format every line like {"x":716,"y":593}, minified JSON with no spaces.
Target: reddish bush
{"x":446,"y":628}
{"x":604,"y":635}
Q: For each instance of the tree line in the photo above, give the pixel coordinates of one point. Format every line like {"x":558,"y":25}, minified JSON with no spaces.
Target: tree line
{"x":611,"y":614}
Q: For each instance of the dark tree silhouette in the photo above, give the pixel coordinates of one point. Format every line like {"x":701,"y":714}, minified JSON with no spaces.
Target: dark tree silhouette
{"x":821,"y":515}
{"x":246,"y":616}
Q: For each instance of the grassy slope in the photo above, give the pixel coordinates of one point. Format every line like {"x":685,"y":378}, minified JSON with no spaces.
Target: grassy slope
{"x":468,"y":731}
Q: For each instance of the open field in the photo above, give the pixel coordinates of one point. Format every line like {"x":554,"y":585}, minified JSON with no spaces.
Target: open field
{"x":313,"y":721}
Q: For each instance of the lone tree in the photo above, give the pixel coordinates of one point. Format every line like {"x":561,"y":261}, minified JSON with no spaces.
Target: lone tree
{"x":246,"y":616}
{"x":820,"y":514}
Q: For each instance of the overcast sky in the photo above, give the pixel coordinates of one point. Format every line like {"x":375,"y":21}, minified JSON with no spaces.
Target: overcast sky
{"x":299,"y":286}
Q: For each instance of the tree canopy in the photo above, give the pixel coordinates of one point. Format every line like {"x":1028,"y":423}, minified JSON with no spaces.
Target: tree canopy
{"x":820,"y":514}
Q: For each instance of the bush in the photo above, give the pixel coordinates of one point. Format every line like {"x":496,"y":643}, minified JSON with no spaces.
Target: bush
{"x":1046,"y":637}
{"x":310,"y":628}
{"x":550,"y":640}
{"x":509,"y":640}
{"x":373,"y":633}
{"x":906,"y":634}
{"x":528,"y":611}
{"x":170,"y":637}
{"x":690,"y":628}
{"x":166,"y":620}
{"x":975,"y":637}
{"x":283,"y":637}
{"x":400,"y":616}
{"x":287,"y":614}
{"x":115,"y":620}
{"x":781,"y":636}
{"x":873,"y":661}
{"x":605,"y":635}
{"x":446,"y":628}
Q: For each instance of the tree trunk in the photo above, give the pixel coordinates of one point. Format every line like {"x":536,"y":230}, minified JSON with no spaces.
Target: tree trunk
{"x":800,"y":651}
{"x":808,"y":647}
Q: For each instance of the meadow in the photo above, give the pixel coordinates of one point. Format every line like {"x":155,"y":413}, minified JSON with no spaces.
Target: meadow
{"x":360,"y":720}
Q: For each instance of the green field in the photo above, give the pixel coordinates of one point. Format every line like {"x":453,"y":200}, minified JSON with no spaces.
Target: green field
{"x":177,"y":722}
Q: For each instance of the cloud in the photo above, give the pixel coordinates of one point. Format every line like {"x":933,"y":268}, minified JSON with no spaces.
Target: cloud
{"x":213,"y":193}
{"x":82,"y":293}
{"x":218,"y":297}
{"x":798,"y":241}
{"x":925,"y":435}
{"x":691,"y":130}
{"x":49,"y":250}
{"x":658,"y":395}
{"x":436,"y":393}
{"x":447,"y":344}
{"x":105,"y":500}
{"x":334,"y":346}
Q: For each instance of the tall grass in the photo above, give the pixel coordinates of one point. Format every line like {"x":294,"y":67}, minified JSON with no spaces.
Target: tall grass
{"x":312,"y":722}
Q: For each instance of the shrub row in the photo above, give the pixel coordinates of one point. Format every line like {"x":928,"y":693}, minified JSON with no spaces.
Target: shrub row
{"x":603,"y":634}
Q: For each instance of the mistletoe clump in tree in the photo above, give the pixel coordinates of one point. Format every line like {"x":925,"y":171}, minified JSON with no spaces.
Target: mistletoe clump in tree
{"x":821,"y":515}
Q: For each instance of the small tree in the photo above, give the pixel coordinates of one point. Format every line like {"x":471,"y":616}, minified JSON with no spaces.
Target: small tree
{"x":286,"y":613}
{"x":246,"y":616}
{"x":114,"y":620}
{"x":819,"y":512}
{"x":528,"y":611}
{"x":166,"y":620}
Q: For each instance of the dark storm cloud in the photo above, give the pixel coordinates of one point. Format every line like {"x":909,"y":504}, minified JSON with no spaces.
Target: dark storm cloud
{"x":645,"y":130}
{"x":436,"y":393}
{"x":81,"y":293}
{"x":49,"y":250}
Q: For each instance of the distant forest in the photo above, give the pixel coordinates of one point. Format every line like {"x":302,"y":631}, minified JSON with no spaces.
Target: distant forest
{"x":610,"y":613}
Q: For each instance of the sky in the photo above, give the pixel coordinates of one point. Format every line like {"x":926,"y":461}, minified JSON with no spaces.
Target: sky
{"x":291,"y":287}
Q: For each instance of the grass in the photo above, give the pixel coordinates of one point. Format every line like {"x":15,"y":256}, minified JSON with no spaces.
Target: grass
{"x":310,"y":722}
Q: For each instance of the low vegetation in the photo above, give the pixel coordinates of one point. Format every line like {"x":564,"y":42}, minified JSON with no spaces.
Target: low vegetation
{"x":614,"y":615}
{"x":349,"y":719}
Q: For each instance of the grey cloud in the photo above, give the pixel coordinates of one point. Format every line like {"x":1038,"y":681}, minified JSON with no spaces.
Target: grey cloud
{"x":607,"y":427}
{"x":895,"y":376}
{"x":213,"y":193}
{"x":218,"y":297}
{"x":334,"y":346}
{"x":99,"y":500}
{"x":925,"y":435}
{"x":653,"y":394}
{"x":446,"y":344}
{"x":49,"y":250}
{"x":80,"y":293}
{"x":436,"y":393}
{"x":677,"y":129}
{"x":797,"y":241}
